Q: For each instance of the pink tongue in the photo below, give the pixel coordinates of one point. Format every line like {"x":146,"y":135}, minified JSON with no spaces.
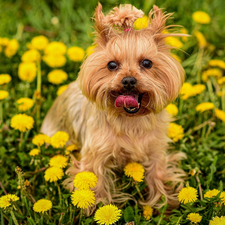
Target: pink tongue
{"x":126,"y":101}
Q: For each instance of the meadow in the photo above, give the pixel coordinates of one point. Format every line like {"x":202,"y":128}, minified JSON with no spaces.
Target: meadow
{"x":42,"y":46}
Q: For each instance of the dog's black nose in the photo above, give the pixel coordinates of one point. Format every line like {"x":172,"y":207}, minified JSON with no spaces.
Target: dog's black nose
{"x":129,"y":83}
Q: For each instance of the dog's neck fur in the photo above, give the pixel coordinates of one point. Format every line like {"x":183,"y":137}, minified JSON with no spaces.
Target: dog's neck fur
{"x":131,"y":126}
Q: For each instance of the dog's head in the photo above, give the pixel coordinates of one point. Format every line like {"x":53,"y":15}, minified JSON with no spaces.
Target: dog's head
{"x":131,"y":71}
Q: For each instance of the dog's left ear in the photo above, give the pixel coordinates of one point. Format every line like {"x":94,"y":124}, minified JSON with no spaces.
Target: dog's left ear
{"x":158,"y":24}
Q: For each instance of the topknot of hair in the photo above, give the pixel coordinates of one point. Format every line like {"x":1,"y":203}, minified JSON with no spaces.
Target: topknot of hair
{"x":123,"y":16}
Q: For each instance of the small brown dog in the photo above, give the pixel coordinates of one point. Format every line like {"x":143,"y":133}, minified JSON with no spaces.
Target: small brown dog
{"x":115,"y":110}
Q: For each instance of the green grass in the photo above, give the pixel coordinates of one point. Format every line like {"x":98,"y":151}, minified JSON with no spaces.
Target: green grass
{"x":204,"y":136}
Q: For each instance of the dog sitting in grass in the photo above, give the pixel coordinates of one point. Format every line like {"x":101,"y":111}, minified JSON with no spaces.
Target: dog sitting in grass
{"x":115,"y":110}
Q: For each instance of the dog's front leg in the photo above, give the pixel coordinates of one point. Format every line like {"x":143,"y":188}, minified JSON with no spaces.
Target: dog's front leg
{"x":163,"y":178}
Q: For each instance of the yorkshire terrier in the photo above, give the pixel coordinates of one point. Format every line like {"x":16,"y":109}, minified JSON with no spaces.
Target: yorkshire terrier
{"x":115,"y":110}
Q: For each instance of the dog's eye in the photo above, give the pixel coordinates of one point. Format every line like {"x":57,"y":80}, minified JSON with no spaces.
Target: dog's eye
{"x":112,"y":65}
{"x":146,"y":63}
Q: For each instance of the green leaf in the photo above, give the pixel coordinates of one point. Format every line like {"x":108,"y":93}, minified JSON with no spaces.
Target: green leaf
{"x":128,"y":214}
{"x":31,"y":221}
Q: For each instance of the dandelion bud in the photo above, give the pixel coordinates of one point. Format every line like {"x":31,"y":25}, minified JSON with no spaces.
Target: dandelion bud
{"x":27,"y":183}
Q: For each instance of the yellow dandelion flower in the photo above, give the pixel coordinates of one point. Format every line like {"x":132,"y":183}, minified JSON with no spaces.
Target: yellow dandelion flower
{"x":71,"y":148}
{"x":175,"y":132}
{"x":222,"y":197}
{"x":25,"y":104}
{"x":172,"y":109}
{"x":31,"y":56}
{"x":59,"y":139}
{"x":217,"y":221}
{"x":39,"y":42}
{"x":34,"y":152}
{"x":221,"y":93}
{"x":83,"y":198}
{"x":201,"y":17}
{"x":58,"y":161}
{"x":55,"y":47}
{"x":135,"y":170}
{"x":41,"y":139}
{"x":62,"y":89}
{"x":90,"y":50}
{"x":42,"y":205}
{"x":76,"y":54}
{"x":54,"y":60}
{"x":5,"y":78}
{"x":57,"y":76}
{"x":184,"y":31}
{"x":194,"y":217}
{"x":176,"y":57}
{"x":85,"y":180}
{"x":217,"y":62}
{"x":220,"y":114}
{"x":4,"y":41}
{"x":141,"y":23}
{"x":22,"y":122}
{"x":221,"y":81}
{"x":11,"y":48}
{"x":3,"y":94}
{"x":202,"y":43}
{"x":188,"y":194}
{"x":174,"y":41}
{"x":108,"y":214}
{"x":147,"y":212}
{"x":27,"y":71}
{"x":204,"y":106}
{"x":6,"y":200}
{"x":198,"y":88}
{"x":212,"y":73}
{"x":186,"y":91}
{"x":211,"y":193}
{"x":53,"y":174}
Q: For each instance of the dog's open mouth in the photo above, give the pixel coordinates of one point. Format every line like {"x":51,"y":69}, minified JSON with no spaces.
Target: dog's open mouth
{"x":130,"y":102}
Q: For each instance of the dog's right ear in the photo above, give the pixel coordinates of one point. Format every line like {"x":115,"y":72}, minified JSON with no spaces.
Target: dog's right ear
{"x":103,"y":30}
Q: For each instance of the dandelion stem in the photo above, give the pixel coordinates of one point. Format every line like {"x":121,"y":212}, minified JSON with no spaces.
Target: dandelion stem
{"x":223,"y":98}
{"x":47,"y":191}
{"x":1,"y":112}
{"x":177,"y":223}
{"x":21,"y":140}
{"x":61,"y":218}
{"x":209,"y":85}
{"x":199,"y":185}
{"x":81,"y":215}
{"x":39,"y":77}
{"x":181,"y":105}
{"x":139,"y":192}
{"x":60,"y":194}
{"x":38,"y":106}
{"x":13,"y":217}
{"x":1,"y":185}
{"x":159,"y":222}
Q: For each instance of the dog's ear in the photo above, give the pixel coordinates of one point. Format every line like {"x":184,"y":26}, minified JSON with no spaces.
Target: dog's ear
{"x":158,"y":20}
{"x":102,"y":29}
{"x":158,"y":25}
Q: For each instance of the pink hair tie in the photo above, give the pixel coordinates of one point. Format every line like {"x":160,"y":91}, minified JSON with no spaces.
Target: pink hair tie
{"x":128,"y":29}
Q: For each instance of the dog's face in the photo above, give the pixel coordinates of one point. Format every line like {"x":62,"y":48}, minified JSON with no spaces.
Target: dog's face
{"x":131,"y":72}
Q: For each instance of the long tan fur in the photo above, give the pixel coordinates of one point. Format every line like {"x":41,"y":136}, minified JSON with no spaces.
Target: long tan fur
{"x":109,"y":137}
